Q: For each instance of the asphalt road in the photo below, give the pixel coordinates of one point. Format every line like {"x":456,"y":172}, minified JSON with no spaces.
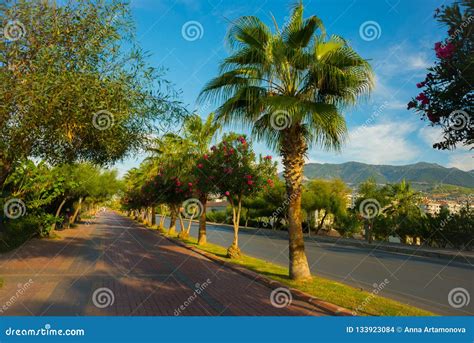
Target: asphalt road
{"x":420,"y":281}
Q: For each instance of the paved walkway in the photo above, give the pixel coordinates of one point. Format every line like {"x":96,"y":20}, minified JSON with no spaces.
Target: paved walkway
{"x":114,"y":267}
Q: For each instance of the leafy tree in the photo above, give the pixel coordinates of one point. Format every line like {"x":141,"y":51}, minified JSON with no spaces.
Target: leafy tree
{"x":446,"y":98}
{"x":290,"y":86}
{"x":34,"y":197}
{"x":327,"y":196}
{"x":276,"y":202}
{"x":70,"y":90}
{"x":237,"y":175}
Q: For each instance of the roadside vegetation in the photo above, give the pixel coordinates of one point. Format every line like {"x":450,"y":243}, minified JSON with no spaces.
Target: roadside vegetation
{"x":73,"y":100}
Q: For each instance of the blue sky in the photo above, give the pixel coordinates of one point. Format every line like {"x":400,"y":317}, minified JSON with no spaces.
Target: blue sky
{"x":381,"y":130}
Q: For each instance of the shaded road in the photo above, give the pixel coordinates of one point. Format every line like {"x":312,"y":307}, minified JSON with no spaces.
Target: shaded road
{"x":419,"y":281}
{"x":114,"y":267}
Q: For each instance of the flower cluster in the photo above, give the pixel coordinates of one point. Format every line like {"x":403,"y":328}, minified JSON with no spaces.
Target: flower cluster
{"x":423,"y":98}
{"x":444,"y":51}
{"x":231,"y":169}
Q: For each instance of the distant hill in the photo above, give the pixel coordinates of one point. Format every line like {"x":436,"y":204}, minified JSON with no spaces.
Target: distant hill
{"x":420,"y":173}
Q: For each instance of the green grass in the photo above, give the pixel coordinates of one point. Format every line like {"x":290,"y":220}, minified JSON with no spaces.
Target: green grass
{"x":321,"y":288}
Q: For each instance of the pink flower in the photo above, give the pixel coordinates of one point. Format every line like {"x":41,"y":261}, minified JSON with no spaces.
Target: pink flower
{"x":242,"y":140}
{"x":249,"y":182}
{"x":444,"y":51}
{"x":200,"y":165}
{"x":248,"y":177}
{"x":423,"y":98}
{"x":227,"y":193}
{"x":190,"y":184}
{"x":268,"y":157}
{"x":206,"y":156}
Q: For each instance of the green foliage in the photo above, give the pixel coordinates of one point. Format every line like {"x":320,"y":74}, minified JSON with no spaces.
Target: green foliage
{"x":297,"y":72}
{"x":40,"y":189}
{"x":327,"y":196}
{"x":235,"y":170}
{"x":446,"y":98}
{"x":398,"y":213}
{"x":218,"y":217}
{"x":70,"y":90}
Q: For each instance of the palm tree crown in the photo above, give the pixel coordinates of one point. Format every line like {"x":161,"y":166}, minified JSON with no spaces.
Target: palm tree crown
{"x":292,"y":81}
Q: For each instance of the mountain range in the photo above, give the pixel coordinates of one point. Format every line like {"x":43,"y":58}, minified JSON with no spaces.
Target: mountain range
{"x":418,"y":173}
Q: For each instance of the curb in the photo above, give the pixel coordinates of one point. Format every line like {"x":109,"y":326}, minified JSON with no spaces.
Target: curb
{"x":329,"y":308}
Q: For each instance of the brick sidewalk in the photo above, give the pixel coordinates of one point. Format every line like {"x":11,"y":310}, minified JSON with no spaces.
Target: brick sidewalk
{"x":141,"y":271}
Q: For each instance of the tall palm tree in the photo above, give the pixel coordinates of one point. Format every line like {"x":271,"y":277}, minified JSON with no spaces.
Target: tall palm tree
{"x":290,"y":86}
{"x":201,"y":133}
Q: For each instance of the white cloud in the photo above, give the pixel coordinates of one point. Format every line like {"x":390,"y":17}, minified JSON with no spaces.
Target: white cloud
{"x":460,"y":158}
{"x":430,"y":135}
{"x":395,"y":105}
{"x":417,"y":62}
{"x":463,"y":161}
{"x":384,"y":143}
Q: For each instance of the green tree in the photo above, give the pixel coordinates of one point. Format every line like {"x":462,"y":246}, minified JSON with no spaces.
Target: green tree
{"x":327,"y":196}
{"x":290,"y":86}
{"x":446,"y":98}
{"x":70,"y":89}
{"x":237,"y":174}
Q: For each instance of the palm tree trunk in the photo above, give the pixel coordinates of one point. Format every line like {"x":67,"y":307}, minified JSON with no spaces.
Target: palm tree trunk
{"x":293,"y":152}
{"x":202,"y":239}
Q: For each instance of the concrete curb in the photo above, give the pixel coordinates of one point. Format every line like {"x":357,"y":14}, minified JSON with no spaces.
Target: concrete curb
{"x":329,"y":308}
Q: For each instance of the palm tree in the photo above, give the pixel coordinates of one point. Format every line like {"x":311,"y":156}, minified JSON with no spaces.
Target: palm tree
{"x":290,"y":86}
{"x":181,"y":150}
{"x":201,"y":133}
